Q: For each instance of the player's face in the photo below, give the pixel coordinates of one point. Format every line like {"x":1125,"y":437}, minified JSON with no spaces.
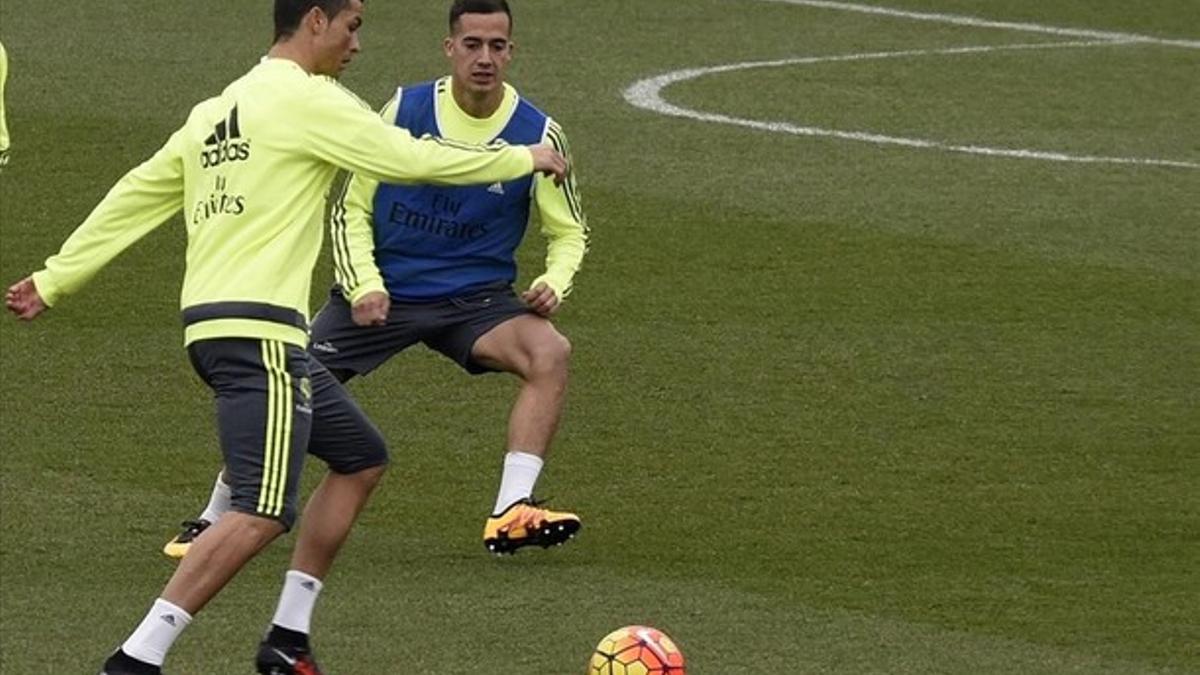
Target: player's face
{"x":480,"y":50}
{"x":338,"y":40}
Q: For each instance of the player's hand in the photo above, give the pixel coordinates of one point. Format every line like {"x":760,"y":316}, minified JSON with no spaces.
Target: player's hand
{"x":542,"y":299}
{"x":23,"y":299}
{"x":547,"y":160}
{"x":371,"y":309}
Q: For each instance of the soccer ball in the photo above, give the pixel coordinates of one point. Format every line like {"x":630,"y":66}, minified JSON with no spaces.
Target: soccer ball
{"x":636,"y":650}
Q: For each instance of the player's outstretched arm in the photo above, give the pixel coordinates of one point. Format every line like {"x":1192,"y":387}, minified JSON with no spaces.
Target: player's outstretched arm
{"x":23,"y":300}
{"x":142,"y":200}
{"x":336,"y":128}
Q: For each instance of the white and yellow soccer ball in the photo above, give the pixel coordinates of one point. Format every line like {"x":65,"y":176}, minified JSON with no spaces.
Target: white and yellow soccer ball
{"x":636,"y":650}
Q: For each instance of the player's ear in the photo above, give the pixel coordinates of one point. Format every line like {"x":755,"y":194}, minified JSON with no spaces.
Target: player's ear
{"x":448,"y":45}
{"x":316,"y":20}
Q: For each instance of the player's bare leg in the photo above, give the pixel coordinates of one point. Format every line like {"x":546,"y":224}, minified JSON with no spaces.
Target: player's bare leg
{"x":328,"y":518}
{"x":214,"y":560}
{"x":217,"y":556}
{"x":532,"y":349}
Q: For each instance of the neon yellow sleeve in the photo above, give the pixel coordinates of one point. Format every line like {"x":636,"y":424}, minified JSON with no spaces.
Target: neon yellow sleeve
{"x":563,"y":222}
{"x":352,"y":231}
{"x":351,"y":228}
{"x":342,"y":131}
{"x":4,"y":140}
{"x":141,"y":201}
{"x":363,"y":275}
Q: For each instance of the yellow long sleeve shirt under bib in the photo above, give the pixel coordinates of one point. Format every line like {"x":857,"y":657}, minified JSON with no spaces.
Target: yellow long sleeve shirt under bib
{"x":558,"y":206}
{"x":250,"y":169}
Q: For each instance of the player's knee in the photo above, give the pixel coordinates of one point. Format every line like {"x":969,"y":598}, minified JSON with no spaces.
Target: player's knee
{"x":372,"y":475}
{"x":361,"y":453}
{"x":250,"y":521}
{"x":378,"y":454}
{"x":267,"y":529}
{"x":375,"y":458}
{"x":377,"y":447}
{"x":367,"y":478}
{"x":551,"y":357}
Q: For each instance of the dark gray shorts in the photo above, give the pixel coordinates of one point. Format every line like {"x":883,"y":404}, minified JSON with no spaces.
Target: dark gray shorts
{"x":274,"y":402}
{"x":450,"y":326}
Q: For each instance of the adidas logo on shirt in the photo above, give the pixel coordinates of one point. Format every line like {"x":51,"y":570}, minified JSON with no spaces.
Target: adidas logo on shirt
{"x":225,"y":144}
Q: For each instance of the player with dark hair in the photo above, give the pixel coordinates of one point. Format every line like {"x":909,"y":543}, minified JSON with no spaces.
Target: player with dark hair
{"x":249,"y":170}
{"x":436,"y":265}
{"x":289,"y":14}
{"x":460,"y":7}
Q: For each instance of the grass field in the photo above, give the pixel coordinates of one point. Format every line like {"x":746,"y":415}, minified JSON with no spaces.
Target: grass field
{"x":837,"y":406}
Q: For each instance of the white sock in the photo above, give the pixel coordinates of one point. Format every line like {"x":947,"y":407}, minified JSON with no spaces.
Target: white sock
{"x":296,"y":602}
{"x":521,"y":471}
{"x":157,"y":632}
{"x":218,"y":502}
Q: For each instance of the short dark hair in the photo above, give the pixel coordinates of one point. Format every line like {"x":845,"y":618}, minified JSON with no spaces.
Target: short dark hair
{"x":460,"y":7}
{"x":288,"y":13}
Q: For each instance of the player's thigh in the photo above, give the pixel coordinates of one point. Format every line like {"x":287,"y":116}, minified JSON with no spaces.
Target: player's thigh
{"x":342,"y":434}
{"x":523,"y":345}
{"x":467,"y":318}
{"x":263,"y":420}
{"x":342,"y":345}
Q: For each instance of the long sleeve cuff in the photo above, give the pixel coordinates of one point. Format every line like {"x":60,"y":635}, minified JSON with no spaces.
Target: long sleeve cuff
{"x":559,"y":282}
{"x":364,"y":288}
{"x":46,"y":288}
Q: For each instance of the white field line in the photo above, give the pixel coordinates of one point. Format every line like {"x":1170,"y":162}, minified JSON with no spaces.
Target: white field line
{"x":960,"y":20}
{"x":647,"y":94}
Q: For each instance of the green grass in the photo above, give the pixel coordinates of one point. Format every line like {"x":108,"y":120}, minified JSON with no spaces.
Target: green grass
{"x":835,"y":407}
{"x":1083,"y":100}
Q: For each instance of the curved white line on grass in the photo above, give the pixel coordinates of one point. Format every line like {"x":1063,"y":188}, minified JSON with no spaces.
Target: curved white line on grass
{"x":647,"y":94}
{"x":960,"y":20}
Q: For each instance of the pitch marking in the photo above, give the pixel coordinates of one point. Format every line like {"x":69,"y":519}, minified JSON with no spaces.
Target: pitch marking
{"x":647,"y":94}
{"x":960,"y":20}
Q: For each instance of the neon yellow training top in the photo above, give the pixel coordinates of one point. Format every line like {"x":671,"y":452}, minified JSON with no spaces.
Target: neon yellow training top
{"x":250,"y":168}
{"x":4,"y":140}
{"x":558,"y":206}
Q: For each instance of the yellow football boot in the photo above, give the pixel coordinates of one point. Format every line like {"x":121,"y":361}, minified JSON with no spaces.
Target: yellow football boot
{"x":525,"y":523}
{"x":178,"y":547}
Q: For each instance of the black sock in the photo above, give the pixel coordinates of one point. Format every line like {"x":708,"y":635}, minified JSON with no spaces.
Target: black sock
{"x":128,"y":664}
{"x":283,"y":637}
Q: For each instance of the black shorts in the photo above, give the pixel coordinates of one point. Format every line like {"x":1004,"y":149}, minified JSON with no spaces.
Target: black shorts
{"x":450,"y":326}
{"x":274,"y":403}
